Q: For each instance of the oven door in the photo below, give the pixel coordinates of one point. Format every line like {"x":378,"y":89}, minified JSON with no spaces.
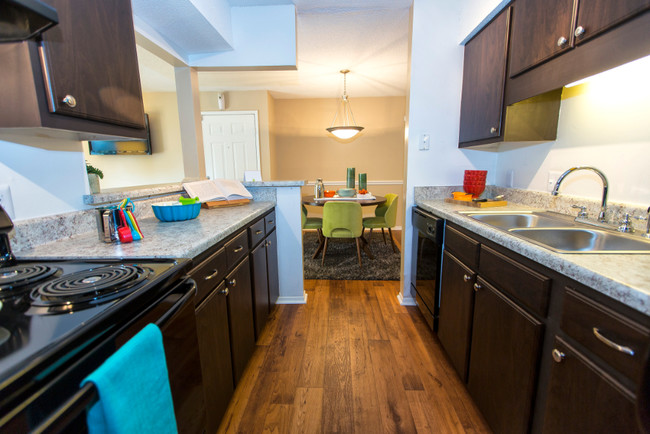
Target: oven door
{"x":61,"y":406}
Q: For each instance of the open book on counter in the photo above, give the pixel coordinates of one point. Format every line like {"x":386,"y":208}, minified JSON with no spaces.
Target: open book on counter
{"x":218,"y":192}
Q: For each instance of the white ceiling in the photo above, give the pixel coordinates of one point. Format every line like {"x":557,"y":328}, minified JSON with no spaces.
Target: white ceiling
{"x":369,"y":37}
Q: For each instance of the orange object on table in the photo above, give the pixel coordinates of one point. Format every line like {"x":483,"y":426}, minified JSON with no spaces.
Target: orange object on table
{"x":459,"y":195}
{"x":329,"y":193}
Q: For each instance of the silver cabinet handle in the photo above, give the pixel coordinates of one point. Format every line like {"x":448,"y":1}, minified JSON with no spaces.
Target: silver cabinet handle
{"x":477,"y":287}
{"x":623,"y":349}
{"x":224,"y":291}
{"x":558,"y":355}
{"x":238,"y":249}
{"x":579,"y":31}
{"x":213,"y":275}
{"x":271,"y":222}
{"x":70,"y":101}
{"x":561,"y":41}
{"x":232,"y":282}
{"x":493,"y":130}
{"x":466,"y":278}
{"x":268,"y":243}
{"x":258,"y":232}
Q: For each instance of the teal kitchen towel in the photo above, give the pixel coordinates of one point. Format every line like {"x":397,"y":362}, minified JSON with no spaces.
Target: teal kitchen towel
{"x":133,"y":388}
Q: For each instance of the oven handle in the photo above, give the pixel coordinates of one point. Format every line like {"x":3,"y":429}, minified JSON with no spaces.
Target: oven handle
{"x":86,"y":396}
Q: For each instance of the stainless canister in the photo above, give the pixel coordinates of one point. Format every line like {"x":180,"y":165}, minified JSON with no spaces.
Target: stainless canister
{"x":107,"y":224}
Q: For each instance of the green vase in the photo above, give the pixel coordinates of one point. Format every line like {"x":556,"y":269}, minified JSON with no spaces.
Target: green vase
{"x":350,"y":180}
{"x":363,"y":183}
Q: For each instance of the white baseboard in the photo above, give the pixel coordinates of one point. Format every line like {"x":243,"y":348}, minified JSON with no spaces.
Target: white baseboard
{"x":293,"y":299}
{"x":406,"y":301}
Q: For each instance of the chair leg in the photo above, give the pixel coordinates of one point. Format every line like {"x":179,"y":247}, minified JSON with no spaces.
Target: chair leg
{"x":383,"y":235}
{"x":358,"y":240}
{"x":319,"y":248}
{"x":320,"y":235}
{"x":370,"y":237}
{"x":392,"y":241}
{"x":324,"y":251}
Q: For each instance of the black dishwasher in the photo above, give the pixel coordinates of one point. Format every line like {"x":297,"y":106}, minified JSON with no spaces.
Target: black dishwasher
{"x":427,"y":235}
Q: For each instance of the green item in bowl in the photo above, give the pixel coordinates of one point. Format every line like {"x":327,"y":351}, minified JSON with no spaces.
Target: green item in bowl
{"x":175,"y":211}
{"x":346,"y":192}
{"x":188,"y":200}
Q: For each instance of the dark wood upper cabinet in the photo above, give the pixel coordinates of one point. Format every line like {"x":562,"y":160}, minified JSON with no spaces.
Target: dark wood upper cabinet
{"x":544,"y":29}
{"x":81,"y":81}
{"x":597,"y":16}
{"x":540,"y":30}
{"x":91,"y":57}
{"x":484,"y":73}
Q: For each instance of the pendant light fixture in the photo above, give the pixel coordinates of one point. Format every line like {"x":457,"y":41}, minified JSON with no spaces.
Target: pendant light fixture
{"x":348,"y":129}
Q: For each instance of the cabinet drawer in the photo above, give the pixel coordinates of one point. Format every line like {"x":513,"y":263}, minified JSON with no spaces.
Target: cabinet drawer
{"x":606,"y":333}
{"x":269,"y":222}
{"x":209,"y":273}
{"x":462,"y":246}
{"x":527,"y":286}
{"x":237,"y":248}
{"x":256,"y":233}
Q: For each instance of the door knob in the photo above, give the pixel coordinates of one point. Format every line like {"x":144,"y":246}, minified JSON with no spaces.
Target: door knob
{"x":558,"y":355}
{"x":561,"y":41}
{"x":466,"y":278}
{"x":579,"y":31}
{"x":70,"y":101}
{"x":477,"y":287}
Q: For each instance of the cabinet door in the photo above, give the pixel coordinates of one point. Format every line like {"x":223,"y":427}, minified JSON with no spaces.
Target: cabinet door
{"x":214,"y":346}
{"x":456,"y":308}
{"x":260,"y":287}
{"x":596,"y":16}
{"x":90,"y":55}
{"x":272,"y":266}
{"x":484,"y":74}
{"x":538,"y":29}
{"x":503,"y":365}
{"x":584,"y":399}
{"x":240,"y":317}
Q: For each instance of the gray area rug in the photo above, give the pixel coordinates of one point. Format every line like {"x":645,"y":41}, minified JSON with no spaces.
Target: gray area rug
{"x":341,"y":259}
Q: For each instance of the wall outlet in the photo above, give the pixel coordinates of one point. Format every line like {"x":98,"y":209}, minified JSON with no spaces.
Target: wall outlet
{"x":424,"y":142}
{"x":5,"y":200}
{"x":553,"y":175}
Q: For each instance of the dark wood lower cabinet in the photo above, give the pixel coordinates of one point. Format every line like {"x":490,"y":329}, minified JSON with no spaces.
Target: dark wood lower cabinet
{"x":456,"y":308}
{"x":272,"y":267}
{"x":506,"y":344}
{"x":260,"y":287}
{"x":216,"y":363}
{"x":582,"y":398}
{"x":240,"y":316}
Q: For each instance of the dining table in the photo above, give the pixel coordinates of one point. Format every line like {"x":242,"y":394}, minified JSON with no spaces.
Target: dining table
{"x":310,"y":200}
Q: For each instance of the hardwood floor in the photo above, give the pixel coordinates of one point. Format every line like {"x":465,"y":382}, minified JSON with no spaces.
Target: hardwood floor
{"x":352,"y":360}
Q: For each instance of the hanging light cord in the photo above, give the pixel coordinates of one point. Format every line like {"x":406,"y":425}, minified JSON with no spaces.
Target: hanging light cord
{"x":346,"y":104}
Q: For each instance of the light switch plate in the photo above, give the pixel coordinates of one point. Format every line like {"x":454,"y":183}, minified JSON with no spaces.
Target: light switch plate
{"x":424,"y":142}
{"x":5,"y":200}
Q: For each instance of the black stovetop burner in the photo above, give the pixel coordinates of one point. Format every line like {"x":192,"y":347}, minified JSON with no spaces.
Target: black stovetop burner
{"x":14,"y":280}
{"x":88,"y":287}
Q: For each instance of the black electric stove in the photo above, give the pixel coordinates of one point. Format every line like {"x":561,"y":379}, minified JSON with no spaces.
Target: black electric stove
{"x":55,"y":313}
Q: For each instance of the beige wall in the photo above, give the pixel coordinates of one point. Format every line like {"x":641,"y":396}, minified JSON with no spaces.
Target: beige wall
{"x":258,"y":100}
{"x":304,"y":150}
{"x":165,"y":165}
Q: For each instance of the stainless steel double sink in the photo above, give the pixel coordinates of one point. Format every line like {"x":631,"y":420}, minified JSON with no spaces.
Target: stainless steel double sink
{"x":560,"y":233}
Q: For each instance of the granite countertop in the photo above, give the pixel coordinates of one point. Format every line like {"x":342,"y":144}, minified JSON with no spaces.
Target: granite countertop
{"x":622,"y":277}
{"x":184,"y":239}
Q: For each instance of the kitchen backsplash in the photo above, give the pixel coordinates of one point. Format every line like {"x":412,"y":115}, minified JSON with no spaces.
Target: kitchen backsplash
{"x":542,"y":200}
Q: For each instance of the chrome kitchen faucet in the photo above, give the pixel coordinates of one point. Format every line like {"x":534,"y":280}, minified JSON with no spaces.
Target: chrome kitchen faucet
{"x":603,"y":204}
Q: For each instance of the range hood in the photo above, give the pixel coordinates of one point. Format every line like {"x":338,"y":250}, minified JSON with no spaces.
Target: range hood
{"x":24,"y":19}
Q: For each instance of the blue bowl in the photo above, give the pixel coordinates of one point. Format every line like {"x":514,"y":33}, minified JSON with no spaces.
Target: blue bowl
{"x":175,"y":212}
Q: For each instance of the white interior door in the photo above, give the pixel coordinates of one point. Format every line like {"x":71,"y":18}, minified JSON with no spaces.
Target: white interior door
{"x":230,"y":144}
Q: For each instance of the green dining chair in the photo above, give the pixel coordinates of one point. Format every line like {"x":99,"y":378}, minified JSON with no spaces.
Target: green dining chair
{"x":312,"y":223}
{"x":343,"y":220}
{"x":385,"y":217}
